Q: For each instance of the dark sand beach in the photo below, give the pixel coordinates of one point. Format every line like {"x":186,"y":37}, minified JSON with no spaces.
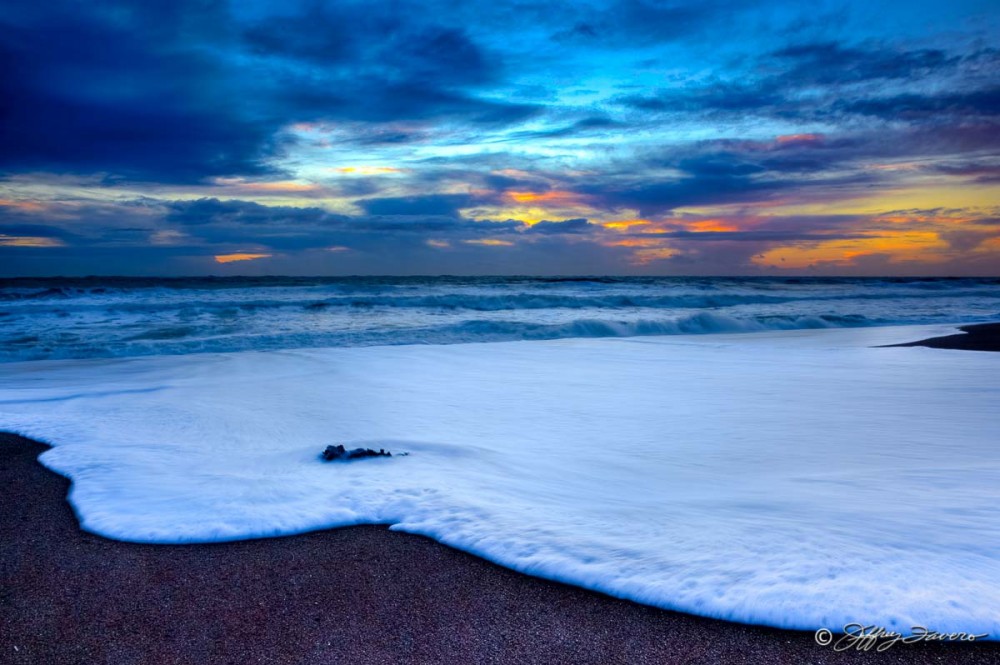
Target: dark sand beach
{"x":353,"y":595}
{"x":978,"y":337}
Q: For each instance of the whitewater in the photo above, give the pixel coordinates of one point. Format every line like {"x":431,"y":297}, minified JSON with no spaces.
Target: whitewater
{"x":122,"y":317}
{"x":798,"y":478}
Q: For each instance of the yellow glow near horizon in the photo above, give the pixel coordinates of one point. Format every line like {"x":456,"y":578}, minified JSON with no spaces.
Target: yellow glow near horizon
{"x":489,"y":242}
{"x":931,"y":196}
{"x":268,"y":187}
{"x":552,"y":196}
{"x":366,"y":170}
{"x":923,"y":246}
{"x":715,"y":225}
{"x":239,"y":256}
{"x":625,"y":224}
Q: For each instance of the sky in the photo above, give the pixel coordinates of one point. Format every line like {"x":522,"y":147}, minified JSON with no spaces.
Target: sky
{"x":639,"y":137}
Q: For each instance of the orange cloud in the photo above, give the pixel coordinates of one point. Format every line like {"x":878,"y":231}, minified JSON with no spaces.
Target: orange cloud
{"x":711,"y":225}
{"x":786,"y":139}
{"x":917,"y":218}
{"x":29,"y":241}
{"x":553,"y":196}
{"x":646,"y":250}
{"x":643,"y":257}
{"x":239,"y":256}
{"x":489,"y":242}
{"x":922,"y":246}
{"x":625,"y":224}
{"x":275,"y":187}
{"x":636,"y":242}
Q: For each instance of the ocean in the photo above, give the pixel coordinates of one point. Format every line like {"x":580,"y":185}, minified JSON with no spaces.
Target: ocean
{"x":112,"y":317}
{"x":747,"y":449}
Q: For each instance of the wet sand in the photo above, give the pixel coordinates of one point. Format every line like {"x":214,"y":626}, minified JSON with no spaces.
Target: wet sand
{"x":978,"y":337}
{"x":354,"y":595}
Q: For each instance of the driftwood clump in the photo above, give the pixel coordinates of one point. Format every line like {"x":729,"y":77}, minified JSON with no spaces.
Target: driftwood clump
{"x":338,"y":452}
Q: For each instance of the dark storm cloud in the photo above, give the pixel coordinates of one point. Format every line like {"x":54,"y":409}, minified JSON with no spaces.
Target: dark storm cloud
{"x":391,"y":43}
{"x":213,"y":211}
{"x":111,"y":89}
{"x":178,"y":91}
{"x":653,"y":197}
{"x":718,"y":165}
{"x":433,"y":204}
{"x":578,"y":225}
{"x":721,"y":97}
{"x":982,"y":173}
{"x":828,"y":63}
{"x":35,"y":230}
{"x":637,"y":21}
{"x":805,"y":166}
{"x":910,"y":106}
{"x":806,"y":82}
{"x":587,"y":126}
{"x":285,"y":227}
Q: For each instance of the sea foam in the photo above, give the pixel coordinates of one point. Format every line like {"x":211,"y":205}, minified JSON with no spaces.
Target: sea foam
{"x":800,"y":479}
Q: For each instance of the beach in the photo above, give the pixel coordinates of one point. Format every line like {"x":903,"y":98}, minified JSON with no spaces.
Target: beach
{"x":665,"y":470}
{"x":641,"y":331}
{"x":352,"y":595}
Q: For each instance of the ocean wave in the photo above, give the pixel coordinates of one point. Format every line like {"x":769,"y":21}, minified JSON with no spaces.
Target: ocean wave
{"x":697,"y":324}
{"x":185,"y":339}
{"x":768,"y":483}
{"x":124,"y":302}
{"x":102,"y":318}
{"x":27,"y":289}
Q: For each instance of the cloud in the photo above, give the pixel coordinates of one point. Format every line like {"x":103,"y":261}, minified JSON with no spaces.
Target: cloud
{"x":239,"y":256}
{"x":637,"y":21}
{"x":575,"y":226}
{"x":446,"y":205}
{"x":198,"y":236}
{"x":828,"y":80}
{"x":181,"y":91}
{"x":164,"y":131}
{"x":827,"y":63}
{"x":652,"y":197}
{"x":213,"y":211}
{"x":113,"y":90}
{"x":912,"y":106}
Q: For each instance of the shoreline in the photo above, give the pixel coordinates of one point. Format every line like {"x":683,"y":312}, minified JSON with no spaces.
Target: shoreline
{"x":975,"y":337}
{"x":356,"y":594}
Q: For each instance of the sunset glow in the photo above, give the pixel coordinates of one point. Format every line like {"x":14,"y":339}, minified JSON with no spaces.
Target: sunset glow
{"x":767,"y":139}
{"x":239,"y":256}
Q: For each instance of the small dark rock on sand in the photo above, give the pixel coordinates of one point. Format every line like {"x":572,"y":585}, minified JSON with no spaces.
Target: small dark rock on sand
{"x":338,"y":452}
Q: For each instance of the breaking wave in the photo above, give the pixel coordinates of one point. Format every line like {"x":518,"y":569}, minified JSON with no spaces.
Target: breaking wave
{"x":111,"y":317}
